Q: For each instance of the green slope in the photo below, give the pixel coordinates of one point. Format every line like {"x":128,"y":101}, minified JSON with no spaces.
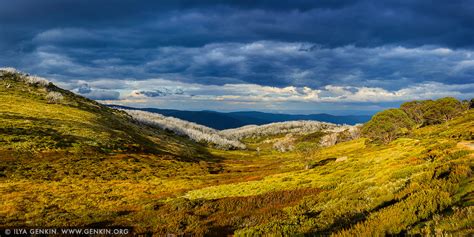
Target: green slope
{"x":58,"y":160}
{"x":31,"y":125}
{"x":77,"y":163}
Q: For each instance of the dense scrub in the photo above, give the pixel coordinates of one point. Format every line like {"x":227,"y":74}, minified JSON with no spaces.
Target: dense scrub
{"x":427,"y":112}
{"x":390,"y":124}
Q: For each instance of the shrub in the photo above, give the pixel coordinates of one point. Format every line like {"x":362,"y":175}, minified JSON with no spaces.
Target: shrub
{"x":36,"y":81}
{"x":28,"y":79}
{"x":387,"y":125}
{"x":8,"y":70}
{"x":54,"y":97}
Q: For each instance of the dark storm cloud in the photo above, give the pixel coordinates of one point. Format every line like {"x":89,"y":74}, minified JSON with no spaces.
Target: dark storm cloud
{"x":351,"y":44}
{"x":102,"y":95}
{"x":263,"y":62}
{"x":195,"y":23}
{"x":160,"y":92}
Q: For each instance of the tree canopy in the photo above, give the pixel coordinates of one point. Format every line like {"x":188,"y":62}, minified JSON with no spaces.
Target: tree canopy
{"x":427,"y":112}
{"x":387,"y":125}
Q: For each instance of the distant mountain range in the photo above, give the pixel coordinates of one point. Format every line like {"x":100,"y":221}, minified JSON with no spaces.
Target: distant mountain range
{"x":220,"y":120}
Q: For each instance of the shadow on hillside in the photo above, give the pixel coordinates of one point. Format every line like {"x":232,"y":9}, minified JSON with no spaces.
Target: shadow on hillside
{"x":348,"y":221}
{"x":123,"y":136}
{"x":37,"y":131}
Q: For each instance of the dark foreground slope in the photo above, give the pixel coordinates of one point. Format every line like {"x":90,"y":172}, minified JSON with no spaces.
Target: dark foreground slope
{"x":219,"y":120}
{"x":76,"y":163}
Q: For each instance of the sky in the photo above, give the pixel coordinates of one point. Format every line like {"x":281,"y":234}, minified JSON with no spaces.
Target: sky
{"x":338,"y":57}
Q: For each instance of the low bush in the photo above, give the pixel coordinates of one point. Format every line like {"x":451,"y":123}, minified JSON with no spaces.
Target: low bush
{"x":54,"y":97}
{"x":36,"y":81}
{"x":28,"y":79}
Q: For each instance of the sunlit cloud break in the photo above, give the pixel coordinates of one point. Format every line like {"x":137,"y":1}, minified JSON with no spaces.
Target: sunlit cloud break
{"x":252,"y":93}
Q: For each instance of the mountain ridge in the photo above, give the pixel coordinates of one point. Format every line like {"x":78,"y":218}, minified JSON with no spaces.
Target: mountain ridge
{"x":228,"y":120}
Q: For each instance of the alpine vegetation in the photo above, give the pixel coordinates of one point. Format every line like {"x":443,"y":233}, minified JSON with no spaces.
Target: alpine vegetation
{"x":54,"y":97}
{"x":26,"y":78}
{"x":8,"y":70}
{"x":194,"y":131}
{"x":36,"y":81}
{"x":291,"y":127}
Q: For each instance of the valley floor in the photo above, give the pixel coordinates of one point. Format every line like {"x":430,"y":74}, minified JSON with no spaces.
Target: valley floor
{"x":417,"y":185}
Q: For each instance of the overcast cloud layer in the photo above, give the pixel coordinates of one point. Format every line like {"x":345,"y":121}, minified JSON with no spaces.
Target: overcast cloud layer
{"x":304,"y":56}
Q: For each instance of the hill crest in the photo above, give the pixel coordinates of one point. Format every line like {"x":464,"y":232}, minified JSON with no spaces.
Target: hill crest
{"x":229,"y":120}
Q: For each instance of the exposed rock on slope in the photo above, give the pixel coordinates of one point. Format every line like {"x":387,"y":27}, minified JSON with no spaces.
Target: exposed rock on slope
{"x":340,"y":134}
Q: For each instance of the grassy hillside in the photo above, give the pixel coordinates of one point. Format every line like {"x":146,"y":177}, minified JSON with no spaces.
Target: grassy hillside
{"x":54,"y":154}
{"x":32,"y":125}
{"x":77,"y":163}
